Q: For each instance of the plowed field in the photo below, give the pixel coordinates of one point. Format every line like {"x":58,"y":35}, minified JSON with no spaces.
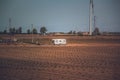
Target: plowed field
{"x":93,"y":62}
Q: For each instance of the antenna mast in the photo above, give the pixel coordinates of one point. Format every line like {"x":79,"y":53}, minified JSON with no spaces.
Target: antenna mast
{"x":9,"y":24}
{"x":94,"y":22}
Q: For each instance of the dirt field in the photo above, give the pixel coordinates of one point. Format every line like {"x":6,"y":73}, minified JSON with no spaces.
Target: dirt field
{"x":86,"y":61}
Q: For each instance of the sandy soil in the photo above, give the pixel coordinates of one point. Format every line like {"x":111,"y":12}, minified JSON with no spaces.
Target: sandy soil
{"x":90,"y":61}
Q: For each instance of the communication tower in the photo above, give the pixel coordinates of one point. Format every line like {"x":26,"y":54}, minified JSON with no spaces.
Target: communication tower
{"x":91,"y":11}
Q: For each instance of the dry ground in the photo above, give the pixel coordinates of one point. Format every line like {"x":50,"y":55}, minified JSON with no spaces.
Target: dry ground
{"x":91,"y":61}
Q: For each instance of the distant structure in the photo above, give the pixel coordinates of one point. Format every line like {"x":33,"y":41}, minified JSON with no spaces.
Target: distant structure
{"x":91,"y":11}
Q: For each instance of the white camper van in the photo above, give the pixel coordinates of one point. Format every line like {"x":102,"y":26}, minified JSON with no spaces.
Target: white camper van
{"x":59,"y":41}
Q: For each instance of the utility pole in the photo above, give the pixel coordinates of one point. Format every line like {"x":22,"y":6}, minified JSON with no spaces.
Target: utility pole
{"x":32,"y":32}
{"x":9,"y":24}
{"x":10,"y":27}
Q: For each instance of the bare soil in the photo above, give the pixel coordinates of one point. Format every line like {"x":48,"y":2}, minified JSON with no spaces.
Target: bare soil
{"x":84,"y":61}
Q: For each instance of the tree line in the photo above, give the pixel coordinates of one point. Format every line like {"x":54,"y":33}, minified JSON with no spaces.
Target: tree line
{"x":95,"y":32}
{"x":14,"y":30}
{"x":43,"y":31}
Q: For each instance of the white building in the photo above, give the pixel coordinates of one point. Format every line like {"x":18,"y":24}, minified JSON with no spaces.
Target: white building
{"x":59,"y":41}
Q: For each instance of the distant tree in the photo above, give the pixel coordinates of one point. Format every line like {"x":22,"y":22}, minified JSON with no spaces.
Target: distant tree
{"x":1,"y":32}
{"x":5,"y":31}
{"x":16,"y":31}
{"x":74,"y":32}
{"x":12,"y":30}
{"x":28,"y":31}
{"x":79,"y":33}
{"x":70,"y":32}
{"x":96,"y":31}
{"x":34,"y":31}
{"x":43,"y":30}
{"x":20,"y":30}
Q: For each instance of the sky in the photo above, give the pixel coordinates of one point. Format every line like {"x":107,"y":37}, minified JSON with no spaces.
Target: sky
{"x":59,"y":15}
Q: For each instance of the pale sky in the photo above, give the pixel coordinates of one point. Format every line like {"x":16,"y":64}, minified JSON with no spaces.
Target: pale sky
{"x":59,"y":15}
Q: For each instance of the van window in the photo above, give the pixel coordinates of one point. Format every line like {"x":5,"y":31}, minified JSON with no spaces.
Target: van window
{"x":60,"y":41}
{"x":56,"y":40}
